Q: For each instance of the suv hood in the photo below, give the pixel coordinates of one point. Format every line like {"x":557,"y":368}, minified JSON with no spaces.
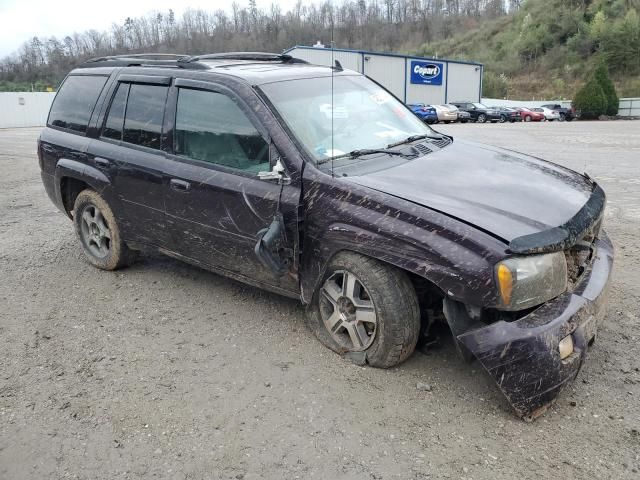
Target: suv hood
{"x":505,"y":193}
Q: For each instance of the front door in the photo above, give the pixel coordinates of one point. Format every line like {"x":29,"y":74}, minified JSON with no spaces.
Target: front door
{"x":214,"y":196}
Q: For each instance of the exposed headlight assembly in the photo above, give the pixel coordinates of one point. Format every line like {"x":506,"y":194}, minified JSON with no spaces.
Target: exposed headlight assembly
{"x":531,"y":280}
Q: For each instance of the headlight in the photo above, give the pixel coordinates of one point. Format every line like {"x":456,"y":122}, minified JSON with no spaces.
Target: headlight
{"x":530,"y":280}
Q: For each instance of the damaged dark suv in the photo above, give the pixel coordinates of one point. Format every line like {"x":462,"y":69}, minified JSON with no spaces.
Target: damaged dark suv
{"x":316,"y":183}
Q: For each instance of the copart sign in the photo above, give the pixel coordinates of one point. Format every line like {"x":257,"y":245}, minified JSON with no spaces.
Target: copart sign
{"x":426,"y":73}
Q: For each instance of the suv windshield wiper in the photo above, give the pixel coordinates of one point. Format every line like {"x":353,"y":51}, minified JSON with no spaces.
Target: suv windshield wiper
{"x":362,"y":152}
{"x":414,"y":138}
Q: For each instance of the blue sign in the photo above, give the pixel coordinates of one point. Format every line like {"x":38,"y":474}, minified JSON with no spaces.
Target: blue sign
{"x":426,"y":73}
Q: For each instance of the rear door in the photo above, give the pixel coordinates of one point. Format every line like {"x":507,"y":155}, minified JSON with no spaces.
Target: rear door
{"x":130,"y":149}
{"x":214,"y":197}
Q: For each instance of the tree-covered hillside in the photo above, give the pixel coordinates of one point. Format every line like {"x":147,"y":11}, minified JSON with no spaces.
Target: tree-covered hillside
{"x":548,"y":48}
{"x":533,"y":48}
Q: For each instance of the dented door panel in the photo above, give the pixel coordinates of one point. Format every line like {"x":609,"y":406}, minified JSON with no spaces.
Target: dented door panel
{"x":217,"y":219}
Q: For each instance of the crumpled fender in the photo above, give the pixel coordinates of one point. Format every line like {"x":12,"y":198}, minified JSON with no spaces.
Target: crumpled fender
{"x":523,"y":356}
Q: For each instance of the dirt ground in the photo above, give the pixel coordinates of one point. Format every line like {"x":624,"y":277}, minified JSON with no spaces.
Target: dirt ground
{"x":164,"y":370}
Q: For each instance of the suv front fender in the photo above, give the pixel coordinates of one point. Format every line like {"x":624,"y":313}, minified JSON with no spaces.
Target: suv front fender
{"x":396,"y":251}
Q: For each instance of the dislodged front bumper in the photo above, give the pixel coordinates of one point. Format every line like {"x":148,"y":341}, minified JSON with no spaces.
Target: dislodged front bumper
{"x":523,"y":356}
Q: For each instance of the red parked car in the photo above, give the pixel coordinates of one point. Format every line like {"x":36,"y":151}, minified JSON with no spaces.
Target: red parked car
{"x":531,"y":116}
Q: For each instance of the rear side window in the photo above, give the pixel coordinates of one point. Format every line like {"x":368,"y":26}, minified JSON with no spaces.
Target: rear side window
{"x":75,"y":102}
{"x":115,"y":119}
{"x":144,"y":115}
{"x":211,"y":127}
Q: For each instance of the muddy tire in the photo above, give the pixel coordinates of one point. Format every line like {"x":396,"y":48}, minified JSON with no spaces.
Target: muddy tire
{"x":366,"y":308}
{"x":98,"y":232}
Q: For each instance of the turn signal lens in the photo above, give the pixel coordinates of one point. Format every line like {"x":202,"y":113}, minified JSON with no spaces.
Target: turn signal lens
{"x":566,"y":347}
{"x":505,"y":280}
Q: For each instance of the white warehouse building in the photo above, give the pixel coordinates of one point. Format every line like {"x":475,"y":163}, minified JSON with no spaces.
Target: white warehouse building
{"x":411,"y":79}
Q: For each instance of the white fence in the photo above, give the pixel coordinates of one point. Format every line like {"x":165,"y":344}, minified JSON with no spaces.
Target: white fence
{"x":24,"y":109}
{"x":629,"y":107}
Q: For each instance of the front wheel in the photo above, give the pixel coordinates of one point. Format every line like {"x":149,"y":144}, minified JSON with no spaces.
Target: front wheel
{"x":527,"y":118}
{"x":363,"y":305}
{"x":98,"y":232}
{"x":482,"y":118}
{"x":503,"y":119}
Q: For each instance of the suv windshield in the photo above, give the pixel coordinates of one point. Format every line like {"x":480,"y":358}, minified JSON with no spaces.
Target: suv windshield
{"x":359,"y":115}
{"x":480,"y":105}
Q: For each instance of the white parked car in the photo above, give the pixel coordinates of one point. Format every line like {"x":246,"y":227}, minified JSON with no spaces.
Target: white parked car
{"x":549,"y":114}
{"x":446,"y":113}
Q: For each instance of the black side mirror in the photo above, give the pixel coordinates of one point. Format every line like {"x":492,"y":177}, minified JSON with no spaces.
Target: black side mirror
{"x":270,"y":248}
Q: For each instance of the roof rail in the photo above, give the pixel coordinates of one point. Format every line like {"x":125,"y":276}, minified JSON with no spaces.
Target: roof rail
{"x":250,"y":56}
{"x":142,"y":59}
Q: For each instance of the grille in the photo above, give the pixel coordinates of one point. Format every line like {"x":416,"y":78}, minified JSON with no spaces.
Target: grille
{"x":580,"y":255}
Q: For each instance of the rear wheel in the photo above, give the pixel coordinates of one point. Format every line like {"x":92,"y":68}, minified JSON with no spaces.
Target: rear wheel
{"x":503,"y":119}
{"x":527,"y":118}
{"x":563,"y":117}
{"x":364,"y":305}
{"x":98,"y":232}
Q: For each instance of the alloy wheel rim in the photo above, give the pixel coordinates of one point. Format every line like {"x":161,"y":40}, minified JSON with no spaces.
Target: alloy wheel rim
{"x":95,"y":232}
{"x":347,"y":311}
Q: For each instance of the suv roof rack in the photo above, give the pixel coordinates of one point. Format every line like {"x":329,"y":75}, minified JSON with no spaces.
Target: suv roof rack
{"x":171,"y":60}
{"x":249,"y":56}
{"x":176,"y":60}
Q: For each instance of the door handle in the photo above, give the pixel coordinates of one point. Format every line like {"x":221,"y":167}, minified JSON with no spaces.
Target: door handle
{"x":179,"y":185}
{"x":102,"y":162}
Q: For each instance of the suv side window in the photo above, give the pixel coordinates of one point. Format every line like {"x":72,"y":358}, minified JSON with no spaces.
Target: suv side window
{"x":144,"y":115}
{"x":114,"y":123}
{"x":75,"y":101}
{"x":211,"y":127}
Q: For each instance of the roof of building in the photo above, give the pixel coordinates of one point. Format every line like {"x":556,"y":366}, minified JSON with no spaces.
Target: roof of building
{"x":383,"y":54}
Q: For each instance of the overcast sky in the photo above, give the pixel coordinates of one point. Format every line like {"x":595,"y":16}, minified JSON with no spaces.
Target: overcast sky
{"x":21,"y":20}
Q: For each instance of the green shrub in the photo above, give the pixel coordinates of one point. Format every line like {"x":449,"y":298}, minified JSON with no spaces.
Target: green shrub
{"x":590,"y":100}
{"x":602,"y":76}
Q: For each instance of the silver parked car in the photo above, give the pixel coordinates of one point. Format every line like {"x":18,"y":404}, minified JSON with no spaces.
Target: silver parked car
{"x":446,"y":113}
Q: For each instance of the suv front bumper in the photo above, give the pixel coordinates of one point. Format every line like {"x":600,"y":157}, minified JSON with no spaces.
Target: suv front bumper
{"x":523,"y":356}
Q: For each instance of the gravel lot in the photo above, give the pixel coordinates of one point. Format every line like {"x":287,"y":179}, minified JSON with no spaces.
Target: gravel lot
{"x":164,"y":370}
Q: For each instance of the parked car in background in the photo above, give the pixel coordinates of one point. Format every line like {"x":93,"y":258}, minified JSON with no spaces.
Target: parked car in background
{"x":447,"y":113}
{"x":479,"y":113}
{"x":508,"y":114}
{"x":549,"y":115}
{"x":464,"y":117}
{"x":566,"y":113}
{"x":426,"y":113}
{"x":529,"y":115}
